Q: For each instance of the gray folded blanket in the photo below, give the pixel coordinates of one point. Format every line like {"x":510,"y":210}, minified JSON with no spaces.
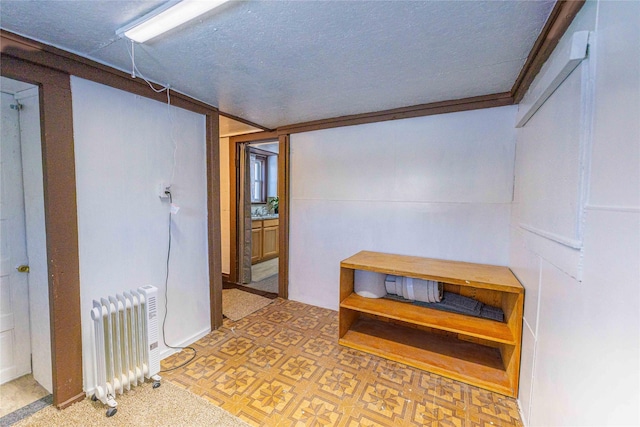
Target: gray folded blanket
{"x":459,"y":304}
{"x":493,"y":313}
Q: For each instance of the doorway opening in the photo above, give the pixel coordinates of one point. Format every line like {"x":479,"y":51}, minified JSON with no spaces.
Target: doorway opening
{"x":258,"y":205}
{"x":25,"y":340}
{"x":255,"y":242}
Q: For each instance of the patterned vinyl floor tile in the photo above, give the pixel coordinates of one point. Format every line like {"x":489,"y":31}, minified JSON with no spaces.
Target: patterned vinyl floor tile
{"x":282,"y":366}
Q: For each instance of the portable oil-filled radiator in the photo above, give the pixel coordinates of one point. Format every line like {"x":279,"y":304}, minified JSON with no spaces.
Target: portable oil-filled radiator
{"x":126,"y":343}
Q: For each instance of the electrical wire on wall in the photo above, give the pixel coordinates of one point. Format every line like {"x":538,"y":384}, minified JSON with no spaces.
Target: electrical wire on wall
{"x":134,"y":70}
{"x":166,"y":299}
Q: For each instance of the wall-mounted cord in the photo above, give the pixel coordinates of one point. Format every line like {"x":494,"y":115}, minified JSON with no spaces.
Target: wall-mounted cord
{"x":134,"y":70}
{"x":171,"y":134}
{"x":166,"y":289}
{"x":136,"y":73}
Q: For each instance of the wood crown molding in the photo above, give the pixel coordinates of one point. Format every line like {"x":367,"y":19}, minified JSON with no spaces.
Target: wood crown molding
{"x":19,"y":47}
{"x":557,"y":24}
{"x":254,"y":137}
{"x":442,"y":107}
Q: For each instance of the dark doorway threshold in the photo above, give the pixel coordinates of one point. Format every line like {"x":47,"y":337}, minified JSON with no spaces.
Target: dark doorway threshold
{"x":228,"y":285}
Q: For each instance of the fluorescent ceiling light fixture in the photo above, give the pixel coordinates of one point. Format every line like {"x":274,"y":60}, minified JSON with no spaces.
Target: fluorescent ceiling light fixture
{"x":166,"y":18}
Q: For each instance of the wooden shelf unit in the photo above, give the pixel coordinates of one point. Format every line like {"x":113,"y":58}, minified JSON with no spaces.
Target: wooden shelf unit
{"x":476,"y":351}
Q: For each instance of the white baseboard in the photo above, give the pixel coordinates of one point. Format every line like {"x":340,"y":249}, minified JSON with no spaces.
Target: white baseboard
{"x":184,"y":343}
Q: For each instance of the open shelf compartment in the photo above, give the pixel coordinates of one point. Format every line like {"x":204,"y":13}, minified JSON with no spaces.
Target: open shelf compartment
{"x":460,"y":360}
{"x":490,"y":330}
{"x":481,"y":352}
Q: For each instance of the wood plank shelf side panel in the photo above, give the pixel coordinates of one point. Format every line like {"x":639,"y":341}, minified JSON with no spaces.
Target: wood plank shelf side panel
{"x":456,"y":272}
{"x":459,"y":360}
{"x":476,"y":327}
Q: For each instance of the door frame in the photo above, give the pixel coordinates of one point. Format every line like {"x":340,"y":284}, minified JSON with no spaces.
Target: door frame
{"x":283,"y":207}
{"x":50,"y":69}
{"x":58,"y":168}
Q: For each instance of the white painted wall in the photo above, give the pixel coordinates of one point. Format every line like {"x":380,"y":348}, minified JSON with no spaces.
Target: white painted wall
{"x":581,"y":338}
{"x":437,"y":186}
{"x":124,"y":147}
{"x":31,"y":144}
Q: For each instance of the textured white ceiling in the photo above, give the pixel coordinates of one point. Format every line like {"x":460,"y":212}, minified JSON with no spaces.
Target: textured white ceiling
{"x":284,"y":62}
{"x":13,"y":87}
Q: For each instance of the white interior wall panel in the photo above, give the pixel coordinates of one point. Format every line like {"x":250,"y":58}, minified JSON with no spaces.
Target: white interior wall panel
{"x":456,"y":158}
{"x":549,"y":202}
{"x":560,"y":351}
{"x":580,"y":361}
{"x":124,"y":147}
{"x":437,"y":186}
{"x":616,"y":127}
{"x":526,"y":266}
{"x":527,"y":360}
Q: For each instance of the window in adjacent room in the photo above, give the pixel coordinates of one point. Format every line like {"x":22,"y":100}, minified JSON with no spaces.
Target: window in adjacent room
{"x":258,"y":178}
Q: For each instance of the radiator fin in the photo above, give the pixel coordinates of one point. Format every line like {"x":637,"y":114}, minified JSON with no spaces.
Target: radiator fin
{"x":126,"y":341}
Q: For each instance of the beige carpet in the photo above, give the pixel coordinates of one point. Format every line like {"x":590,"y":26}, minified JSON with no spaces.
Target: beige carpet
{"x":237,"y":304}
{"x":168,"y":405}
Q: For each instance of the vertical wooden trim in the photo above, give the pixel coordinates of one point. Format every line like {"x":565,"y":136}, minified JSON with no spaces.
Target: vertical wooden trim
{"x":213,"y":218}
{"x":61,"y":222}
{"x":283,"y":211}
{"x":233,"y":211}
{"x":557,"y":24}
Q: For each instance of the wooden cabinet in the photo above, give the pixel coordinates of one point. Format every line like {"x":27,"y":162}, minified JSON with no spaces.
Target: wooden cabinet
{"x":270,"y":239}
{"x":481,"y":352}
{"x":256,"y":241}
{"x":264,"y":240}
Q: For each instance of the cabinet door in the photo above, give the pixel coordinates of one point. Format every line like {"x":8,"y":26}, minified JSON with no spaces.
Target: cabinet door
{"x":270,"y":242}
{"x":256,"y":245}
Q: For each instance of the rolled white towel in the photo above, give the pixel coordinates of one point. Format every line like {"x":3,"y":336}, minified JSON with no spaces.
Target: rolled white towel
{"x":414,"y":289}
{"x":369,"y":284}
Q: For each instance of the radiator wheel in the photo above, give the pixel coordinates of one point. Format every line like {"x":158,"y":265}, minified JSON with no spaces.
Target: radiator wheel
{"x":111,"y":412}
{"x":94,"y":398}
{"x":156,"y":384}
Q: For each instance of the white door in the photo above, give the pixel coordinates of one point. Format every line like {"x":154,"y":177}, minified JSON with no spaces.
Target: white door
{"x":15,"y":346}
